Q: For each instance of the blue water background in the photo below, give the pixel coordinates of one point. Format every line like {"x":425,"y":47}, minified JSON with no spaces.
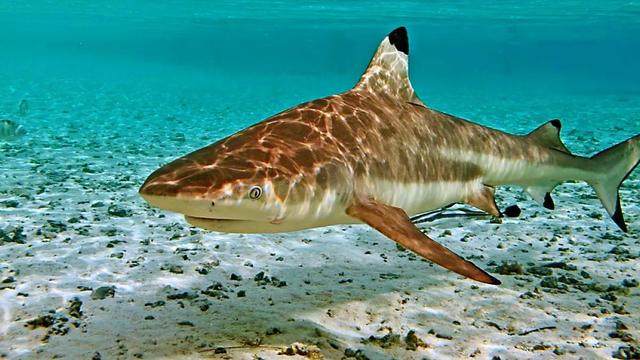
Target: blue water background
{"x":508,"y":64}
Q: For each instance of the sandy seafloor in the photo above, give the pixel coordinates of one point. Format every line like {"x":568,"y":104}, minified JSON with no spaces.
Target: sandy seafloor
{"x":70,"y":187}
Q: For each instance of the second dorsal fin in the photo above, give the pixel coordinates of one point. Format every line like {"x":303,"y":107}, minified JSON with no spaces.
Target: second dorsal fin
{"x":548,"y":135}
{"x":388,"y":70}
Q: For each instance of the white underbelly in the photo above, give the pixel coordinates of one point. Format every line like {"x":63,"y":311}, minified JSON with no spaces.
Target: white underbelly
{"x":413,"y":198}
{"x":420,"y":197}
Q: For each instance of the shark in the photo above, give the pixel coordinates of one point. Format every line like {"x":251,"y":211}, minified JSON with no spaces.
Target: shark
{"x":376,"y":154}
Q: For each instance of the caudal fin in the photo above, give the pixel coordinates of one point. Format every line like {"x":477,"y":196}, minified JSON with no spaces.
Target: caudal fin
{"x":614,"y":165}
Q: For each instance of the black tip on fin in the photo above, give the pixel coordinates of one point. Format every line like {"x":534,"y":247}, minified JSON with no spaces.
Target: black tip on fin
{"x":399,"y":39}
{"x":548,"y":202}
{"x":618,"y":218}
{"x":494,"y":281}
{"x":556,"y":123}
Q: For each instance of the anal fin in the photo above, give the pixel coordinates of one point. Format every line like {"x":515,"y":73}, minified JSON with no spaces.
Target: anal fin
{"x":484,"y":200}
{"x":395,"y":224}
{"x":542,"y":195}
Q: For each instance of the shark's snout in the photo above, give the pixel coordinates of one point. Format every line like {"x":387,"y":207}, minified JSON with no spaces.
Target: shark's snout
{"x":180,"y":176}
{"x":204,"y":192}
{"x":153,"y":187}
{"x":181,"y":188}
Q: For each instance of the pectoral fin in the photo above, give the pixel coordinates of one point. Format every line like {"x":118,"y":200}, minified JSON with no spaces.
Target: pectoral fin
{"x":395,"y":224}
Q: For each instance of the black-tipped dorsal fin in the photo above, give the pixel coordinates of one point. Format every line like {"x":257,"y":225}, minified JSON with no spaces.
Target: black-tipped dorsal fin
{"x":549,"y":135}
{"x":388,"y":70}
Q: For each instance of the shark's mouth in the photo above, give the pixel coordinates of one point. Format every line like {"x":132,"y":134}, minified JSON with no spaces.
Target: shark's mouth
{"x":234,"y":225}
{"x":213,"y":224}
{"x":196,"y":218}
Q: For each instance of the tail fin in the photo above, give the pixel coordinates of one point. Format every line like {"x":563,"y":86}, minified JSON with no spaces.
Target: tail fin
{"x":615,"y":164}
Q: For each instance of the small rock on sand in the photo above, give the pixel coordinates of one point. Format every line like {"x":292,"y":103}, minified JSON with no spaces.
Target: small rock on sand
{"x":103,"y":292}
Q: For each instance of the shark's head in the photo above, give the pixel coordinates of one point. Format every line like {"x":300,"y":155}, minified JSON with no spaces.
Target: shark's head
{"x":253,"y":181}
{"x":219,"y":183}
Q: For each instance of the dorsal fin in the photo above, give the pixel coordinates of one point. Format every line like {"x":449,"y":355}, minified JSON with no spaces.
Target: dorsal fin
{"x":549,"y":135}
{"x":388,"y":70}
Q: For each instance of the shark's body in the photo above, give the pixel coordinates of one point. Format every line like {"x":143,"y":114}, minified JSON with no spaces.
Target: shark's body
{"x":374,"y":154}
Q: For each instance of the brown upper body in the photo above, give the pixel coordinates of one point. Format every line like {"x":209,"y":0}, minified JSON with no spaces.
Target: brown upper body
{"x":343,"y":158}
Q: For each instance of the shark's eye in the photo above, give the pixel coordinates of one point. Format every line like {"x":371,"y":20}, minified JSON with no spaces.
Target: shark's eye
{"x":255,"y":192}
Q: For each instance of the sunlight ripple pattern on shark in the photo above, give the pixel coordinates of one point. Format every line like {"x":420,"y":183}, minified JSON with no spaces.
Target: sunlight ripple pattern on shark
{"x":375,"y":154}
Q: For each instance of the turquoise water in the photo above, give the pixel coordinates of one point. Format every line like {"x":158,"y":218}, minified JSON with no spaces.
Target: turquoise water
{"x":255,"y":59}
{"x":115,"y":89}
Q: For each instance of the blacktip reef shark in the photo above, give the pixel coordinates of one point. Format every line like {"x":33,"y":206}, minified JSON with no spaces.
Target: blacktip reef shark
{"x":373,"y":155}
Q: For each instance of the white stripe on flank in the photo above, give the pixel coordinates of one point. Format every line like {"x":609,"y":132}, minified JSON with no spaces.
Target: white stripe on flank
{"x":523,"y":172}
{"x":419,"y":197}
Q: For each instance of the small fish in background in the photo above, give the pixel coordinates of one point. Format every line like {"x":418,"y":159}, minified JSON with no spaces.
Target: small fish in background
{"x":10,"y":129}
{"x":23,"y":108}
